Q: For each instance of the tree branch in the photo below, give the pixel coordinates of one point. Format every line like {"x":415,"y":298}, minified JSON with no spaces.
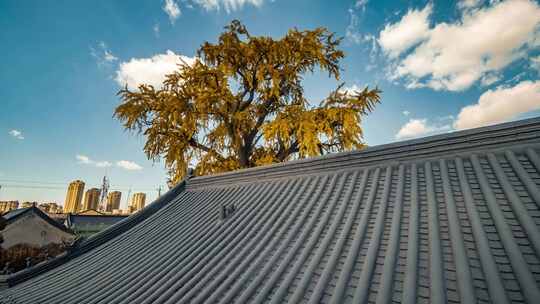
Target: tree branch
{"x":285,"y":153}
{"x":195,"y":144}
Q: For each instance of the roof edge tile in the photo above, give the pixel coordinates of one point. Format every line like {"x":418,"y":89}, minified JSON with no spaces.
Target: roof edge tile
{"x":477,"y":138}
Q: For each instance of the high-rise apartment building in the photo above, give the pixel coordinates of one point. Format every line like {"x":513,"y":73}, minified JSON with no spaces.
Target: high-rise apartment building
{"x":113,"y":201}
{"x":138,"y":201}
{"x":6,"y":206}
{"x":74,"y":197}
{"x":91,"y":199}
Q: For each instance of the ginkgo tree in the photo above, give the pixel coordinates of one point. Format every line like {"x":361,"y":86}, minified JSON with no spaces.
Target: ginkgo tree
{"x":241,"y":104}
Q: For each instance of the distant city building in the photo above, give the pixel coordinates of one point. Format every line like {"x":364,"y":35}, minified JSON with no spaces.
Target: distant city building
{"x":74,"y":197}
{"x":113,"y":201}
{"x":7,"y":206}
{"x":91,"y":199}
{"x":29,"y":204}
{"x":55,"y":208}
{"x":50,"y":208}
{"x":138,"y":201}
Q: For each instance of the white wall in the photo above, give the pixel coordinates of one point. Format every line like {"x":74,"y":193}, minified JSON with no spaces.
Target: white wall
{"x":32,"y":229}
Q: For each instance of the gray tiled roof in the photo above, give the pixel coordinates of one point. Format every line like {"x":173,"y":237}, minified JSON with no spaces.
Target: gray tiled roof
{"x":15,"y":213}
{"x":450,"y":218}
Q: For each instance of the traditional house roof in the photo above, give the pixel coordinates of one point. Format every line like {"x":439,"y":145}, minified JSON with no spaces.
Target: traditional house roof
{"x":91,"y":221}
{"x":16,"y":214}
{"x":448,"y":218}
{"x":90,"y":212}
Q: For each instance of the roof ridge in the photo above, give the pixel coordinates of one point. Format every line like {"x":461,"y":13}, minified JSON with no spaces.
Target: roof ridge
{"x":476,"y":138}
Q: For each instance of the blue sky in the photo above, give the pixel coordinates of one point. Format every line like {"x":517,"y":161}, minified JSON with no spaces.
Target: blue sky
{"x":442,"y":66}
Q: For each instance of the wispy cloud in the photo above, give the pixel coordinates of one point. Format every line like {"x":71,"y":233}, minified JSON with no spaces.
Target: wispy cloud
{"x":155,"y":28}
{"x":85,"y":160}
{"x":228,"y":5}
{"x":351,"y":32}
{"x":16,"y":133}
{"x":123,"y":164}
{"x":102,"y":54}
{"x":367,"y":41}
{"x":469,"y":4}
{"x":489,"y":79}
{"x":128,"y":165}
{"x":361,"y":4}
{"x":453,"y":56}
{"x":535,"y":63}
{"x":171,"y":8}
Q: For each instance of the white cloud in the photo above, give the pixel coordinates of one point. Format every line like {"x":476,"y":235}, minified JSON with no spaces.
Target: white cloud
{"x":499,"y":105}
{"x":453,"y":56}
{"x":414,"y":127}
{"x":150,"y":71}
{"x":351,"y":90}
{"x":406,"y":113}
{"x":354,"y":87}
{"x":172,"y":10}
{"x":228,"y":5}
{"x":102,"y":54}
{"x":128,"y":165}
{"x":85,"y":160}
{"x":420,"y":127}
{"x":410,"y":30}
{"x":16,"y":133}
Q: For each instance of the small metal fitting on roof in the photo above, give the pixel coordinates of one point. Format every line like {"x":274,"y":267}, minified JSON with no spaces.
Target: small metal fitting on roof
{"x":227,"y":210}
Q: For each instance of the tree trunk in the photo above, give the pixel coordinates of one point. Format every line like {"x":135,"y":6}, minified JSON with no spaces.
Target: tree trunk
{"x":243,"y":157}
